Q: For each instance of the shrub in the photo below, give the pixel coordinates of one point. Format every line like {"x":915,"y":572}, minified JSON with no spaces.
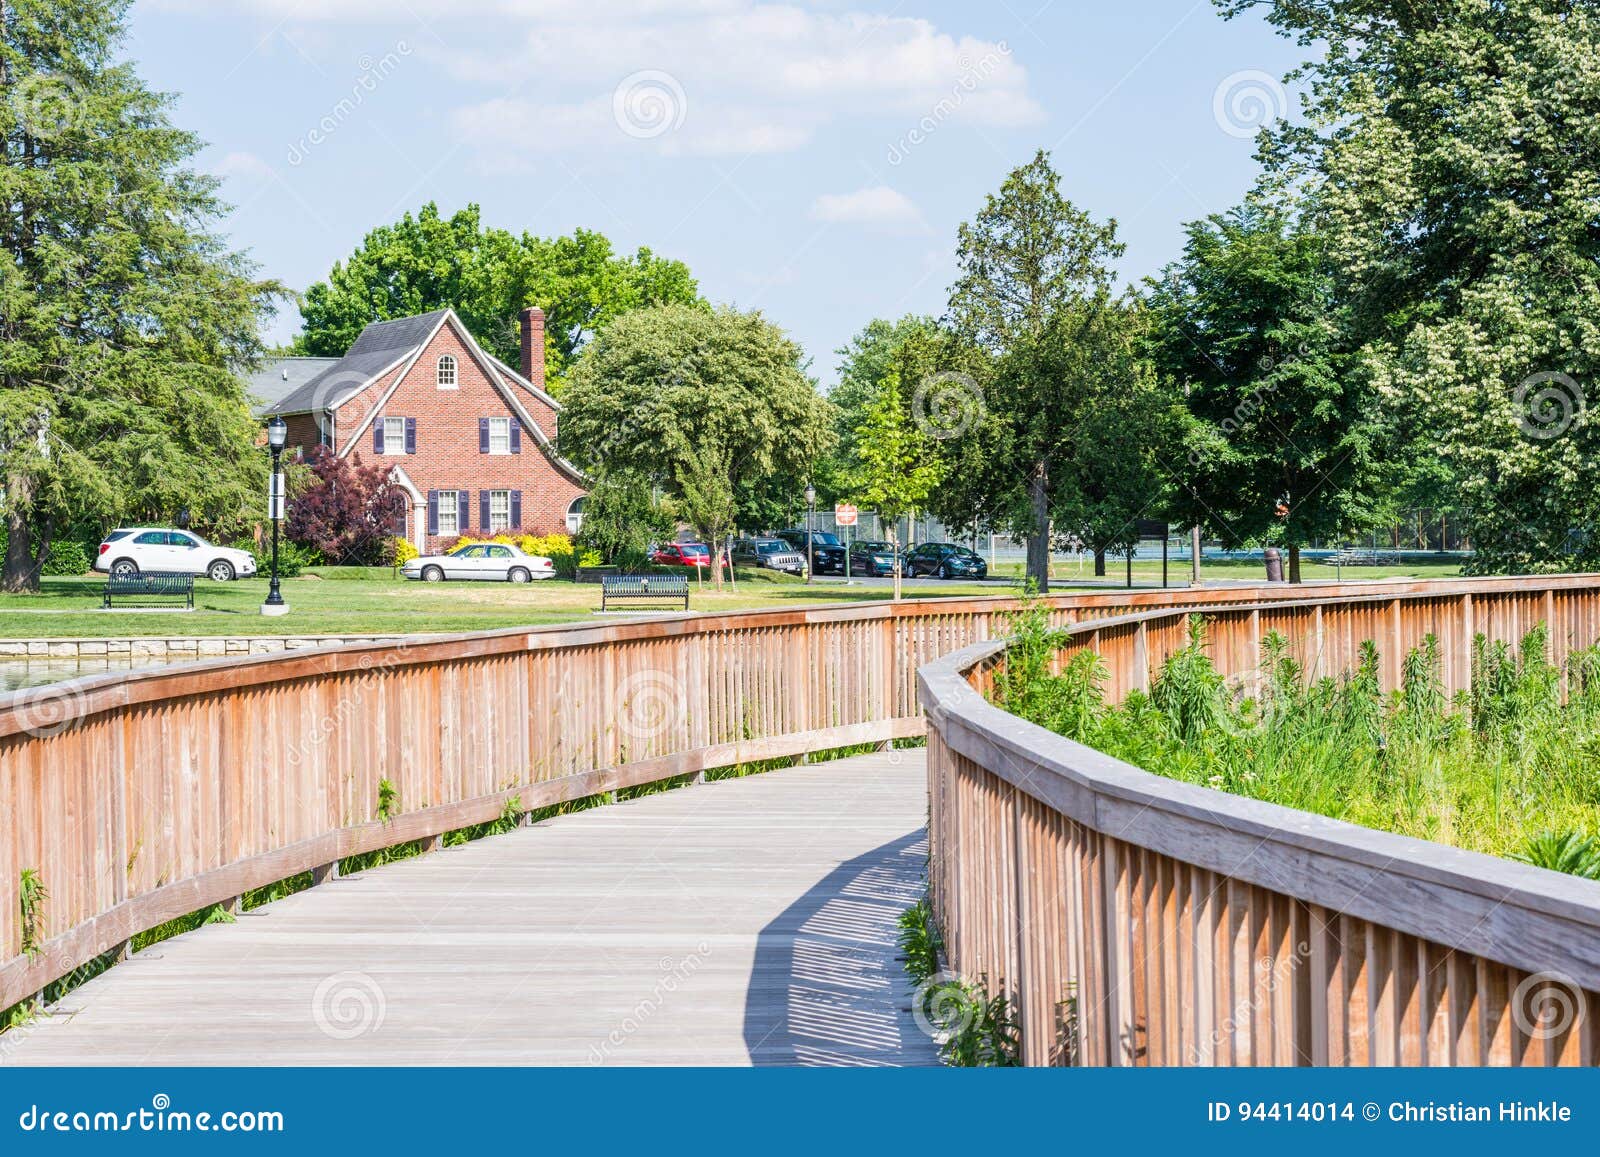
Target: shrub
{"x":402,"y":551}
{"x":558,"y":548}
{"x":292,"y":557}
{"x":346,"y":511}
{"x":70,"y":557}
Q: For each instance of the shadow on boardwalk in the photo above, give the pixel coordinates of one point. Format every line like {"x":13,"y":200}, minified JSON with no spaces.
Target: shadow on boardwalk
{"x":827,"y":986}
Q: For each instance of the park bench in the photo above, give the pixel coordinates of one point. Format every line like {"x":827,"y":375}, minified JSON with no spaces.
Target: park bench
{"x":641,"y":589}
{"x":143,"y":587}
{"x":1364,"y":556}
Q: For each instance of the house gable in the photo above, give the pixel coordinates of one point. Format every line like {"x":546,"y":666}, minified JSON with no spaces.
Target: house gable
{"x":482,"y":436}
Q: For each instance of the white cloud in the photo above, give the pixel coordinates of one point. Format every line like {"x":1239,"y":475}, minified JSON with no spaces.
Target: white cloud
{"x":756,"y":76}
{"x":877,"y":207}
{"x":244,"y":165}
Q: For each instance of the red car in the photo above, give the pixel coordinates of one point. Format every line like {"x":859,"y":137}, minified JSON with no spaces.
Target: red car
{"x":695,"y":554}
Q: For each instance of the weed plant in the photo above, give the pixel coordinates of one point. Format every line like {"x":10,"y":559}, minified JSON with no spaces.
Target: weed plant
{"x":1511,"y":768}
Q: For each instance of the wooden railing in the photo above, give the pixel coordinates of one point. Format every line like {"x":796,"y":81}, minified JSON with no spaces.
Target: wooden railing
{"x":1133,"y":919}
{"x":136,"y":798}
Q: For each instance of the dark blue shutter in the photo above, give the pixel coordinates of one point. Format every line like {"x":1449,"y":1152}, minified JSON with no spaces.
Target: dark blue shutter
{"x":433,"y":512}
{"x":483,"y":509}
{"x":411,"y":435}
{"x":377,"y":436}
{"x":516,"y":436}
{"x":483,"y":435}
{"x":516,"y":506}
{"x":464,"y":509}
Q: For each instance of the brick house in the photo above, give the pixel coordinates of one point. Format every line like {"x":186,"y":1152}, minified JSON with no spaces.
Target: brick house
{"x":471,"y":441}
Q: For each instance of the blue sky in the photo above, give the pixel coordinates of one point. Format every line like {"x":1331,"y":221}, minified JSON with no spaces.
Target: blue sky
{"x":809,"y":160}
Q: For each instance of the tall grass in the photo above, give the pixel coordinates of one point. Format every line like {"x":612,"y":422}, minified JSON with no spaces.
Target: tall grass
{"x":1512,"y":769}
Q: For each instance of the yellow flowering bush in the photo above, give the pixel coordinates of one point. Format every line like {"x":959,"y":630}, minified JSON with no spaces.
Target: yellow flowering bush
{"x":404,"y":552}
{"x":558,"y":548}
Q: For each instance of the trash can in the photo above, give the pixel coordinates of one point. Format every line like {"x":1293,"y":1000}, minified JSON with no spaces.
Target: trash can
{"x":1274,"y":564}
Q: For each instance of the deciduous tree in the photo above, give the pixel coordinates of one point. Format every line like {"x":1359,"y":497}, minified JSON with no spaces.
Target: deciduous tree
{"x":706,"y":403}
{"x":1451,"y":154}
{"x":1291,"y":440}
{"x":488,"y":276}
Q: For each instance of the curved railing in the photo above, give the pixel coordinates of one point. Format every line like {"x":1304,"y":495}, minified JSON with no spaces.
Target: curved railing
{"x":1133,"y":919}
{"x":136,"y":798}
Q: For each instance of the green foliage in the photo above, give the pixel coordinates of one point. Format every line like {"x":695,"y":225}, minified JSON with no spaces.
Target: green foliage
{"x":126,"y":319}
{"x":488,"y":276}
{"x":920,"y":941}
{"x":1448,"y":158}
{"x":509,"y":819}
{"x":388,"y":801}
{"x":31,"y":894}
{"x":1249,"y":324}
{"x":292,"y":557}
{"x":621,"y":518}
{"x":707,"y":404}
{"x":1570,"y":852}
{"x":1067,"y":426}
{"x":1496,"y":771}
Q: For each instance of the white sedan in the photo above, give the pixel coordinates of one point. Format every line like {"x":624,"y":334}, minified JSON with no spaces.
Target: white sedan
{"x":480,"y":562}
{"x":130,"y":550}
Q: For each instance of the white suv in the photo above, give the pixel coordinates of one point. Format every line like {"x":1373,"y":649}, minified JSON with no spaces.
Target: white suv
{"x":162,"y":551}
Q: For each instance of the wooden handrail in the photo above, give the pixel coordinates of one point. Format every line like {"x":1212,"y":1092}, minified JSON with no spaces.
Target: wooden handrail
{"x":1180,"y":925}
{"x":145,"y":795}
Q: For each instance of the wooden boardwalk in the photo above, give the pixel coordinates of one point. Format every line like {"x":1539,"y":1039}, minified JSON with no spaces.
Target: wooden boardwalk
{"x":749,"y":921}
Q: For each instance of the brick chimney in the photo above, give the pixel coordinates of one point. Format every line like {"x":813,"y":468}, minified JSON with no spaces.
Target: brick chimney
{"x":533,"y":345}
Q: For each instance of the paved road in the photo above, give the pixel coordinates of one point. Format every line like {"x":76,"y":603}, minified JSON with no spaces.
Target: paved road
{"x":750,"y":921}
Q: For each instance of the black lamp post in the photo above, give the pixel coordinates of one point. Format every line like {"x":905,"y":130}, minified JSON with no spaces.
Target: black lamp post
{"x":277,"y":434}
{"x":811,"y":529}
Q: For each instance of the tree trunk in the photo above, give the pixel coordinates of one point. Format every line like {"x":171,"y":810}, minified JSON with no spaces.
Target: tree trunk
{"x":20,"y":570}
{"x":1099,"y":562}
{"x":1039,"y":536}
{"x":1294,"y":563}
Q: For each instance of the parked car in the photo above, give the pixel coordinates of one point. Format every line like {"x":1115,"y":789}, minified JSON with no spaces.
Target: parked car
{"x":827,"y":552}
{"x":480,"y":562}
{"x":695,"y":554}
{"x":160,"y":550}
{"x":771,"y":553}
{"x":946,"y":560}
{"x":871,"y":558}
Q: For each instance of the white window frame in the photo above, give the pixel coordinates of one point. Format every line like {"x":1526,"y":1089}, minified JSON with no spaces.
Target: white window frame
{"x":450,"y":504}
{"x":444,"y":372}
{"x":499,"y":511}
{"x":391,"y":444}
{"x":575,"y":515}
{"x":499,"y":435}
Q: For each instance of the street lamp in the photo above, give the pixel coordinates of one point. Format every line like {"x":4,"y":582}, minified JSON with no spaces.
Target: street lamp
{"x":811,"y":529}
{"x":277,"y":434}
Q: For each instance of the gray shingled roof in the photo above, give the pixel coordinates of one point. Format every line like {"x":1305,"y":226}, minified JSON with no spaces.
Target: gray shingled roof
{"x":279,"y":377}
{"x":380,"y":345}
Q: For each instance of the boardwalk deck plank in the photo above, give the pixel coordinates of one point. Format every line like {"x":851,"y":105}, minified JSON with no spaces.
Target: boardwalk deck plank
{"x":749,"y":921}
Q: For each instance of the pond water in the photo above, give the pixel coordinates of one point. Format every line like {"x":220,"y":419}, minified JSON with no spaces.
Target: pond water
{"x":16,"y":673}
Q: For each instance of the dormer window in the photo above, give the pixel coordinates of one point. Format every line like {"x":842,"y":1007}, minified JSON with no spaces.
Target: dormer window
{"x":445,"y":372}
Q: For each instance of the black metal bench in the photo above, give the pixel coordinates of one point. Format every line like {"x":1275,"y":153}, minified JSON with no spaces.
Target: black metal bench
{"x":637,"y":589}
{"x":143,"y":586}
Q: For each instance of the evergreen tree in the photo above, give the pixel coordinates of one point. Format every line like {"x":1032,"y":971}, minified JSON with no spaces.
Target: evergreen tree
{"x":123,"y":319}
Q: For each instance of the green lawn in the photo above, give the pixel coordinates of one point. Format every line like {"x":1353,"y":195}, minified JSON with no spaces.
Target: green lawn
{"x":348,"y":600}
{"x":343,"y":601}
